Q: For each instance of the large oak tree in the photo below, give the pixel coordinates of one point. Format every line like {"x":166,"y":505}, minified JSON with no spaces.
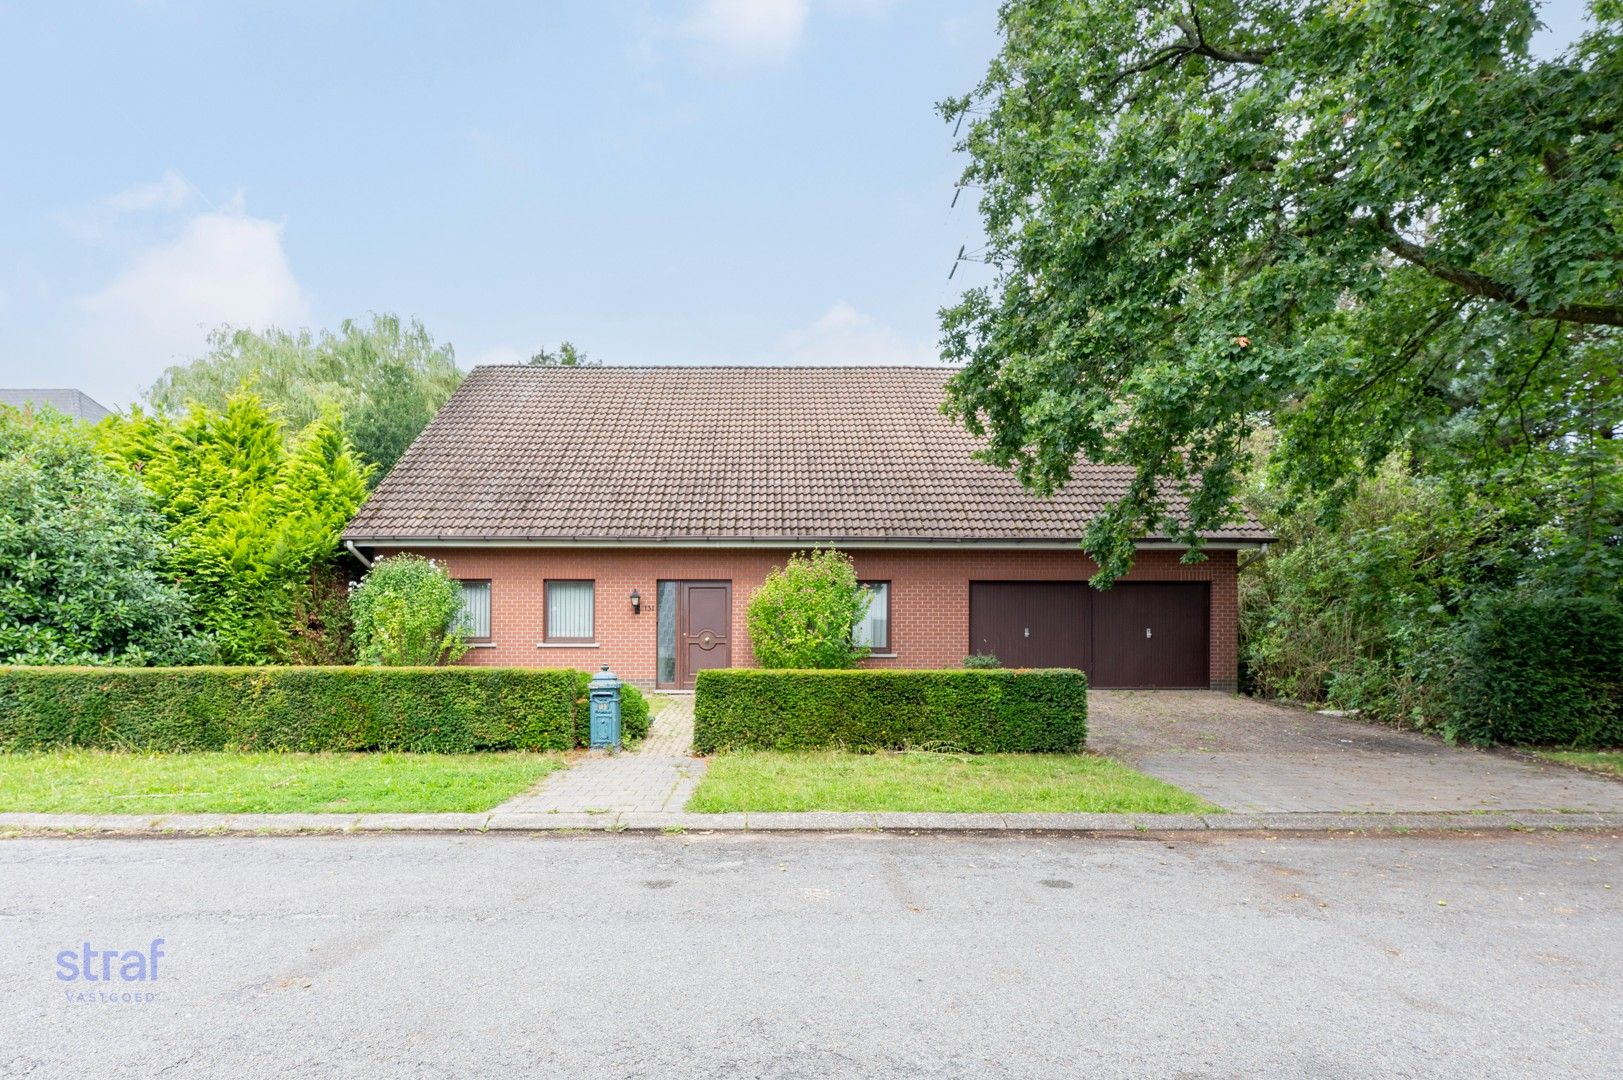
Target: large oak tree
{"x":1370,"y":225}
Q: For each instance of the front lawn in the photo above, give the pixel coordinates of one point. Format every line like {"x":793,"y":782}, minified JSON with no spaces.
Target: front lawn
{"x":962,"y":783}
{"x":1602,"y":761}
{"x":109,"y":782}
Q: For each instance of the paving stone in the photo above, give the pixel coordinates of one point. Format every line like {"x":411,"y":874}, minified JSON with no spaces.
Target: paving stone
{"x":506,"y":822}
{"x":658,"y":776}
{"x":421,"y":822}
{"x":268,"y":823}
{"x":823,"y":820}
{"x":925,"y":822}
{"x":708,"y":822}
{"x":204,"y":823}
{"x":1101,"y":822}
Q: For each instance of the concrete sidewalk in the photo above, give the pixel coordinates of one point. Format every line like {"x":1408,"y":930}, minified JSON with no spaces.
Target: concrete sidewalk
{"x":821,"y":822}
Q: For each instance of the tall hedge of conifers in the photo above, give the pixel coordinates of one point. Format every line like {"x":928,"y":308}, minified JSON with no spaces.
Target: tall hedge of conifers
{"x":974,"y":711}
{"x":442,"y":709}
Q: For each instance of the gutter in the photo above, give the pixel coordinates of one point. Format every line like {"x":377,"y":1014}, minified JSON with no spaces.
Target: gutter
{"x":918,"y":543}
{"x":349,"y":545}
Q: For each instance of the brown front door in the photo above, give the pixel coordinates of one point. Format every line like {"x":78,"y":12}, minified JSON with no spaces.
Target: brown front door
{"x":1150,"y":634}
{"x":704,"y":628}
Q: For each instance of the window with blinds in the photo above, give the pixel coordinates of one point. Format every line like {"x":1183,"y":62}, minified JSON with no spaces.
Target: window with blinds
{"x":873,"y":628}
{"x":474,"y":615}
{"x":569,"y":611}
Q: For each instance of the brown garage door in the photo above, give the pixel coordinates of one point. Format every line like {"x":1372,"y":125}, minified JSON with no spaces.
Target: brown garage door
{"x":1139,"y":634}
{"x":1150,"y":634}
{"x":1030,"y":623}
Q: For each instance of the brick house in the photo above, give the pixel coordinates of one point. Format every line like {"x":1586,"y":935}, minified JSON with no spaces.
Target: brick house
{"x":624,"y":516}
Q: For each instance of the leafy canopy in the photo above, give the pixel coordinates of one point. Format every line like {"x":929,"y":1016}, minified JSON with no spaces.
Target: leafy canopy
{"x":387,"y":379}
{"x":1371,"y":224}
{"x":803,"y":614}
{"x":250,"y":512}
{"x":406,"y":613}
{"x":79,"y":555}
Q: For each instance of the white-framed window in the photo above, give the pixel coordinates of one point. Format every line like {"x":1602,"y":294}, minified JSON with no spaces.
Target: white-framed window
{"x":474,"y":617}
{"x":569,"y":610}
{"x":873,"y":628}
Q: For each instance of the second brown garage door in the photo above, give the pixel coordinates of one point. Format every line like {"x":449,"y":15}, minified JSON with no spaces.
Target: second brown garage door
{"x":1139,"y":634}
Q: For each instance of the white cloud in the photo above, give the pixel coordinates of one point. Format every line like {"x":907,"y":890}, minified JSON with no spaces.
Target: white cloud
{"x":224,"y":266}
{"x":170,"y":193}
{"x":844,"y":335}
{"x":763,"y":30}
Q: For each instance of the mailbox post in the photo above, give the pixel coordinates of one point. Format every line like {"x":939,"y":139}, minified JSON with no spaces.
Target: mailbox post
{"x":604,"y":693}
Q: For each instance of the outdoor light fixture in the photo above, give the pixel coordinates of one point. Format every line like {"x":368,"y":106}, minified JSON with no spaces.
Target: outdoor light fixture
{"x":636,"y":602}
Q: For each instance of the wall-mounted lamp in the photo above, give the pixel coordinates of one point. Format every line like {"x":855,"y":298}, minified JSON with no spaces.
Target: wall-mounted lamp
{"x":636,"y":602}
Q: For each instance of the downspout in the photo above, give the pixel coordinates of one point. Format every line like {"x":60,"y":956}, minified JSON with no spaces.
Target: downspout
{"x":355,"y":551}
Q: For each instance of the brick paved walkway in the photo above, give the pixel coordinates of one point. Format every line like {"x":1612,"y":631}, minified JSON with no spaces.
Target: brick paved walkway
{"x":657,"y":777}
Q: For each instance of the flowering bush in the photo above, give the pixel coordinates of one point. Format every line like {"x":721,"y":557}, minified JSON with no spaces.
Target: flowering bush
{"x":803,"y":614}
{"x":406,"y":613}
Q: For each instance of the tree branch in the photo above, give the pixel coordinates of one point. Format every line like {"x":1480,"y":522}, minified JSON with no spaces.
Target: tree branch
{"x":1476,"y":284}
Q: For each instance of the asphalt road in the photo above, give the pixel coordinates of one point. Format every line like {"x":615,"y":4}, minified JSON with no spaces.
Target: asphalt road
{"x":745,"y":956}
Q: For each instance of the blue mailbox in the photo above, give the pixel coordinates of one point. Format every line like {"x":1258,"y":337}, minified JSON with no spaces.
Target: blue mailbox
{"x":604,"y":693}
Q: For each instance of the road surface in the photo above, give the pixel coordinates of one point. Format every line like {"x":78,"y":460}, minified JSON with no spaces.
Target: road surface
{"x":813,"y":956}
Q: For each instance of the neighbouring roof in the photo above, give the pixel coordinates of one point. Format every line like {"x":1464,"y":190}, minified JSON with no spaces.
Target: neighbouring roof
{"x":794,"y":454}
{"x":74,"y":403}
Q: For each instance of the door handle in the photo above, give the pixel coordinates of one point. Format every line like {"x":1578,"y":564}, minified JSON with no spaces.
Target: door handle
{"x":1147,"y":633}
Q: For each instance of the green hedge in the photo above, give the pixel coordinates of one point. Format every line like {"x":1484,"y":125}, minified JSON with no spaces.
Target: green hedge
{"x":984,"y":711}
{"x":444,"y":709}
{"x":1541,"y":672}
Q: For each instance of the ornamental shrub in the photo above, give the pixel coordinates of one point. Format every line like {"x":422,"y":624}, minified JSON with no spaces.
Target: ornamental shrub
{"x":982,"y":661}
{"x":80,"y":552}
{"x":803,"y":615}
{"x":441,"y":709}
{"x":1003,"y":711}
{"x":405,"y":614}
{"x":1540,"y":671}
{"x":250,"y":510}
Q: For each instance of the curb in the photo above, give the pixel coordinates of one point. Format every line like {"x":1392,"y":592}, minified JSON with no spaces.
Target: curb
{"x":1102,"y":825}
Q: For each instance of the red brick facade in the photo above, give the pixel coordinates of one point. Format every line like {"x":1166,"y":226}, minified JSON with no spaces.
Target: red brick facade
{"x":929,"y":603}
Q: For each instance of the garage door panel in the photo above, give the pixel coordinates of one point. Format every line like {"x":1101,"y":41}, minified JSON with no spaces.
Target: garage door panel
{"x":1030,"y":623}
{"x":1151,"y":634}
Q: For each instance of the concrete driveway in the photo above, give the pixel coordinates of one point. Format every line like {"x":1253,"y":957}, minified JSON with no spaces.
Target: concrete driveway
{"x":1259,"y":757}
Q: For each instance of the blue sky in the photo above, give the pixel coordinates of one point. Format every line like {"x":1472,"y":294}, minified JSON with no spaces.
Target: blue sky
{"x":685,"y":181}
{"x":701,"y":181}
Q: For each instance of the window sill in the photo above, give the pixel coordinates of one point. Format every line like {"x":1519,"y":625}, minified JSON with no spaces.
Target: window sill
{"x":880,"y":656}
{"x":566,"y":645}
{"x":481,"y":644}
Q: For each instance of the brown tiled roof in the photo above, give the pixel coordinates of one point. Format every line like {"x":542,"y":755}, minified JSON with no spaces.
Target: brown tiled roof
{"x":715,"y":453}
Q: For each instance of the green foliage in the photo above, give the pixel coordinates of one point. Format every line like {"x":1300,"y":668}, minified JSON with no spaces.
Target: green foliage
{"x":1374,"y":226}
{"x":386,"y":379}
{"x":803,"y":614}
{"x":982,"y":661}
{"x":1032,"y":711}
{"x":1541,"y":671}
{"x":634,"y":719}
{"x":405,"y":612}
{"x":444,"y":710}
{"x":250,"y":514}
{"x":80,"y":550}
{"x":323,"y":630}
{"x":566,"y":355}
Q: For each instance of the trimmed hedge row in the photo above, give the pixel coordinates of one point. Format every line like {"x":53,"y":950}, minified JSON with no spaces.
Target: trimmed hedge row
{"x":1543,"y":671}
{"x":442,"y":709}
{"x":975,"y":711}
